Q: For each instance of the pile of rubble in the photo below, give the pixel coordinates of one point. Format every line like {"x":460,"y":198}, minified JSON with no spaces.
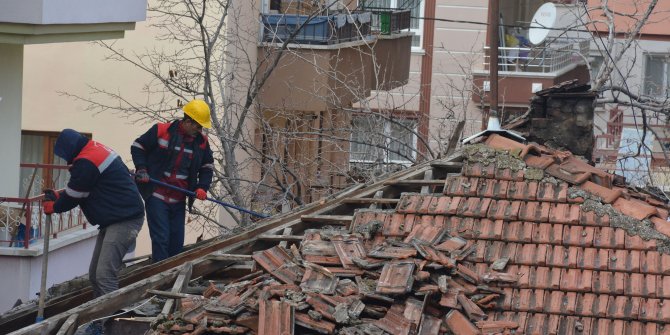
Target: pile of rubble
{"x":354,"y":282}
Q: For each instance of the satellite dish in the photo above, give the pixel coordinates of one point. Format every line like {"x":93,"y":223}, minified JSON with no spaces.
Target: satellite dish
{"x":543,"y":20}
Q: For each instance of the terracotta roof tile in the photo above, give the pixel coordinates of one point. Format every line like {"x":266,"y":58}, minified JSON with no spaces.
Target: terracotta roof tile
{"x":552,"y":193}
{"x":535,"y":324}
{"x":581,"y":236}
{"x":545,"y":278}
{"x":492,"y":188}
{"x":398,"y":225}
{"x":562,"y":256}
{"x":490,"y":230}
{"x":547,"y":233}
{"x":475,"y":207}
{"x":534,"y":211}
{"x":556,"y":171}
{"x":531,"y":254}
{"x":661,"y":225}
{"x":640,"y":285}
{"x":479,"y":170}
{"x":611,"y":283}
{"x":461,"y":186}
{"x":610,"y":238}
{"x":408,"y":203}
{"x":564,"y":213}
{"x":624,"y":260}
{"x":464,"y":227}
{"x":429,"y":205}
{"x":396,"y":277}
{"x":576,"y":280}
{"x":589,"y":304}
{"x":663,"y":287}
{"x":509,"y":174}
{"x":593,"y":259}
{"x":504,"y":210}
{"x":498,"y":249}
{"x":634,"y":208}
{"x":522,"y":190}
{"x":459,"y":324}
{"x":500,"y":142}
{"x":518,"y":231}
{"x":539,"y":162}
{"x":608,"y":195}
{"x":638,"y":243}
{"x":592,"y":219}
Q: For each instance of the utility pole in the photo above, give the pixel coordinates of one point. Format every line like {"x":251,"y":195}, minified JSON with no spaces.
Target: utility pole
{"x":494,"y":33}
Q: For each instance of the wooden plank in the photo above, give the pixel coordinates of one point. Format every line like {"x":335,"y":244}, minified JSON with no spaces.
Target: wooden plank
{"x":221,"y":256}
{"x":179,"y":285}
{"x":69,"y":326}
{"x":282,"y":238}
{"x":329,"y":219}
{"x":365,"y":201}
{"x":428,"y":176}
{"x":171,"y":295}
{"x":287,"y":231}
{"x":417,"y":182}
{"x":449,"y":166}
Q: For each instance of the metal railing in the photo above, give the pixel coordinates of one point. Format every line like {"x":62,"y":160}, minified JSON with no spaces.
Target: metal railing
{"x":327,"y":29}
{"x":552,"y":57}
{"x":22,"y":220}
{"x":387,"y":21}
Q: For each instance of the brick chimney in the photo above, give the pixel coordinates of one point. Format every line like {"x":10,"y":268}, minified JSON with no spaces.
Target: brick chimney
{"x":562,"y":117}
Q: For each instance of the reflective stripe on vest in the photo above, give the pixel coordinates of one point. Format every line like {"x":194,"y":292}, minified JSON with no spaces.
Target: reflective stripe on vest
{"x":98,"y":154}
{"x":163,"y":135}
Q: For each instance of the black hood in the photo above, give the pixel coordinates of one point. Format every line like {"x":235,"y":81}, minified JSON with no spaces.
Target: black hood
{"x":69,"y":144}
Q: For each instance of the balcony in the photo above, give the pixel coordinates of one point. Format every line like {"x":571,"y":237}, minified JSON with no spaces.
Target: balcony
{"x":526,"y":70}
{"x":332,"y":60}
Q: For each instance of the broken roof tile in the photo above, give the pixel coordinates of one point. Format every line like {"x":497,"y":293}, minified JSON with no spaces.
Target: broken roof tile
{"x":396,"y":277}
{"x":606,"y":194}
{"x":425,"y":233}
{"x":394,"y":322}
{"x":451,"y":244}
{"x":398,"y":225}
{"x":459,"y":324}
{"x":277,"y":262}
{"x":320,"y":326}
{"x":348,"y":247}
{"x":275,"y":317}
{"x":539,"y":162}
{"x":318,"y":279}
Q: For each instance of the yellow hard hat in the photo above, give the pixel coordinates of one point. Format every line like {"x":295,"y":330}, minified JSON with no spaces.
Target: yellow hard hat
{"x":198,"y":110}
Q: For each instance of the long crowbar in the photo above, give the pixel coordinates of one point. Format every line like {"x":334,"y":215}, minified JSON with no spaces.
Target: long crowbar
{"x":190,"y":193}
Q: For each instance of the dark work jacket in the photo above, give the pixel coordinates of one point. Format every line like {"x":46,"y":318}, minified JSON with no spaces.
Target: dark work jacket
{"x":155,"y":152}
{"x":100,"y":182}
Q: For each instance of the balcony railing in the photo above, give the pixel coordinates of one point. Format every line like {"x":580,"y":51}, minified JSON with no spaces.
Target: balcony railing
{"x":22,"y":219}
{"x":387,"y":21}
{"x":328,"y":29}
{"x":557,"y":55}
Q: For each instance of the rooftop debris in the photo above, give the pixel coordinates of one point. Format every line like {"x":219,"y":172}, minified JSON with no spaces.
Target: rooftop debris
{"x":415,"y":285}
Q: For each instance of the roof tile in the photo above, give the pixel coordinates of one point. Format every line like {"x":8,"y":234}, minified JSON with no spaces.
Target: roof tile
{"x":605,"y":282}
{"x":464,"y":227}
{"x":534,"y":211}
{"x":522,"y":190}
{"x":347,"y":248}
{"x":640,"y":285}
{"x":475,"y":207}
{"x":606,"y":194}
{"x":578,"y":235}
{"x":593,"y":259}
{"x":624,"y":260}
{"x":498,"y":249}
{"x":610,"y":238}
{"x":500,"y":142}
{"x":528,"y":254}
{"x":490,"y":230}
{"x":636,"y":242}
{"x":562,"y":256}
{"x":504,"y":210}
{"x":492,"y":188}
{"x":539,"y":162}
{"x":518,"y":231}
{"x":459,"y":324}
{"x":651,"y":309}
{"x":663,"y":287}
{"x":576,"y":280}
{"x":548,"y":233}
{"x":589,"y":304}
{"x":536,"y":324}
{"x":461,"y":186}
{"x":479,"y":170}
{"x":409,"y":203}
{"x":592,"y":219}
{"x":662,"y":226}
{"x":396,"y":277}
{"x":545,"y":278}
{"x":556,"y":171}
{"x":398,"y":225}
{"x":564,"y":213}
{"x":634,"y":208}
{"x":552,"y":193}
{"x":426,"y":233}
{"x":509,"y":174}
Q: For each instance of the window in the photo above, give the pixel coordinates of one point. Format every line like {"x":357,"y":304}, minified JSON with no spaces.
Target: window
{"x":656,"y":76}
{"x":416,"y":24}
{"x":378,"y":140}
{"x":596,"y":62}
{"x":37,"y":148}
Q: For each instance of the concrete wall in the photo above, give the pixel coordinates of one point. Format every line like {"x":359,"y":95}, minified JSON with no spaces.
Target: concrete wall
{"x":72,"y":11}
{"x":10,"y":117}
{"x":21,"y":275}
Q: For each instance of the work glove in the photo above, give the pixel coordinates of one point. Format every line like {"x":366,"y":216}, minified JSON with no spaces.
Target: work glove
{"x":142,"y":176}
{"x":50,"y":197}
{"x":200,"y":194}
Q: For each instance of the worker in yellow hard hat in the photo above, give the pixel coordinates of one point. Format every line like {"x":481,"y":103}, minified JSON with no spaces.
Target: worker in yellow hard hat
{"x":176,"y":153}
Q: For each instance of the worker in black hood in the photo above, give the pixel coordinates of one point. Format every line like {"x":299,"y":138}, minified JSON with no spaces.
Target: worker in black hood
{"x":101,"y":185}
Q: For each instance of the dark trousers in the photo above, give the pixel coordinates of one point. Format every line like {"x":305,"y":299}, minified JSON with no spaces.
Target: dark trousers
{"x":166,"y":227}
{"x":112,"y":244}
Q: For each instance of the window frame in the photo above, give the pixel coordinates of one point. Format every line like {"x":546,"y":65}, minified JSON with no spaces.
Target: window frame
{"x":665,"y":86}
{"x":387,"y":141}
